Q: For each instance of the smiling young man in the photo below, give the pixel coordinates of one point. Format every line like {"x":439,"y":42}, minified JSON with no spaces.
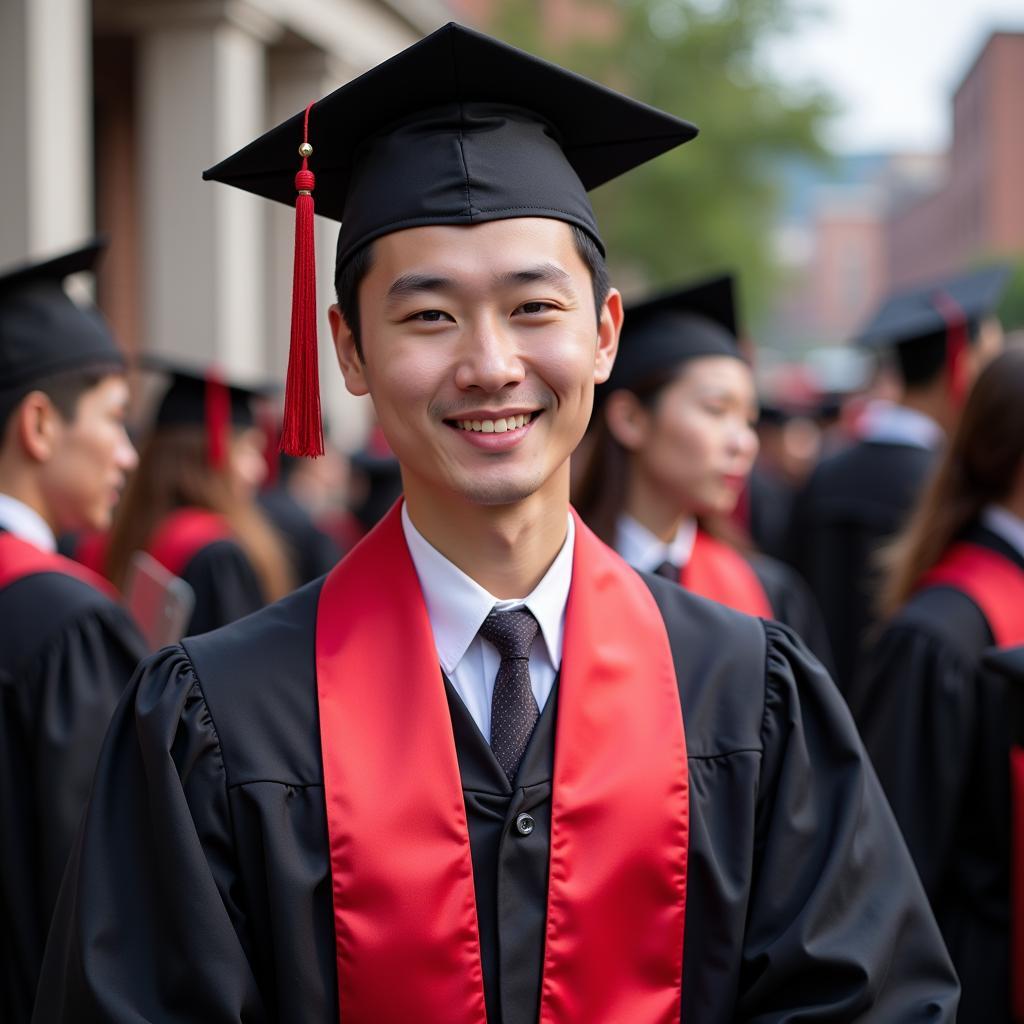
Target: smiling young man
{"x":67,"y":650}
{"x":451,"y":782}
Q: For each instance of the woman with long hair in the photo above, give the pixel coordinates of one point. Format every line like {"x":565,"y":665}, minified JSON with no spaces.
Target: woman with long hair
{"x":670,"y":448}
{"x":191,"y":503}
{"x":935,"y":721}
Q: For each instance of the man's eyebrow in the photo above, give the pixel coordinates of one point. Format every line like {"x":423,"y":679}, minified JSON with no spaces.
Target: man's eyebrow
{"x":543,"y":273}
{"x":412,"y":284}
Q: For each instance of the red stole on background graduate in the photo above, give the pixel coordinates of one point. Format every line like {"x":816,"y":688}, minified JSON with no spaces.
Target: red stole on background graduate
{"x":718,"y":572}
{"x":996,"y":585}
{"x":408,"y":944}
{"x":183,"y":534}
{"x":19,"y":558}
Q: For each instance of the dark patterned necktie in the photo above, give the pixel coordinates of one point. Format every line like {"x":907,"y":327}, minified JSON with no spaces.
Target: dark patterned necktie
{"x":669,"y":570}
{"x":514,"y":710}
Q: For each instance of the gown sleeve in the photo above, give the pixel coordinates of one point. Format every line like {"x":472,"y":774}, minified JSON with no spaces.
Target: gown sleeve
{"x":52,"y":725}
{"x":147,"y":927}
{"x":794,"y":605}
{"x":225,"y":586}
{"x":839,"y":928}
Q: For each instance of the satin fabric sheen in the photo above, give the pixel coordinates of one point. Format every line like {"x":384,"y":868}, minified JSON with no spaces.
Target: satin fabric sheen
{"x":18,"y":559}
{"x":399,"y":846}
{"x":717,"y":572}
{"x":991,"y":581}
{"x":996,"y":586}
{"x":183,"y":534}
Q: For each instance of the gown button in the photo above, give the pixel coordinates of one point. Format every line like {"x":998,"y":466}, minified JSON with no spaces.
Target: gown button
{"x":524,"y":824}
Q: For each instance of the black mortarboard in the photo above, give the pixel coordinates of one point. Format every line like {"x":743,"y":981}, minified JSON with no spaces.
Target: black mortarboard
{"x":42,"y":331}
{"x":457,"y":129}
{"x":930,"y":325}
{"x":666,"y":330}
{"x":907,"y":316}
{"x":202,"y":398}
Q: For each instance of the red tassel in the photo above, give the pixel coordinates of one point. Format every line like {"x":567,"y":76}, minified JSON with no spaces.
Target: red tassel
{"x":271,"y":445}
{"x":302,"y":431}
{"x":217,"y":413}
{"x":956,"y":346}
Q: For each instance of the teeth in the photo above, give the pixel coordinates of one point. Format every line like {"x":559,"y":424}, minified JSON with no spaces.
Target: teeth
{"x":498,"y":426}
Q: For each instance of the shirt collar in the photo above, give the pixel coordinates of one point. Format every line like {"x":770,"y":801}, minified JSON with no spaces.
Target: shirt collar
{"x":1006,"y":525}
{"x":644,"y":551}
{"x":26,"y":523}
{"x":889,"y":423}
{"x":457,"y":605}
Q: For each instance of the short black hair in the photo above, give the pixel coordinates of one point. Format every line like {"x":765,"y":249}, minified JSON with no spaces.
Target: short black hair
{"x":921,"y":360}
{"x":349,"y":275}
{"x":63,"y":390}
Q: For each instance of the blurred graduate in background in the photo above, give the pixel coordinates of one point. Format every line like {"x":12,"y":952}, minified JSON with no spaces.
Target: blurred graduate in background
{"x":67,"y":649}
{"x":191,"y":503}
{"x":937,"y":726}
{"x":673,"y":444}
{"x":939,"y":335}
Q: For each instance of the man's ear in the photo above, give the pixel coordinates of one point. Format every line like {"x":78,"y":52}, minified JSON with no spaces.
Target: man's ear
{"x":627,"y":419}
{"x":349,"y":360}
{"x":38,"y":426}
{"x":609,"y":325}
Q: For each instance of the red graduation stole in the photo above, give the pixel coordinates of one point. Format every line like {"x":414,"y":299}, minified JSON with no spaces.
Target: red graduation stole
{"x":408,"y":944}
{"x":19,"y":558}
{"x":718,"y":572}
{"x":183,"y":534}
{"x":996,"y":586}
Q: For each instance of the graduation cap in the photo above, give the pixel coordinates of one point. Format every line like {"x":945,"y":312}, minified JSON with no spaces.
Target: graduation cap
{"x":203,"y":398}
{"x":933,"y":323}
{"x":42,"y":331}
{"x":457,"y":129}
{"x":666,"y":330}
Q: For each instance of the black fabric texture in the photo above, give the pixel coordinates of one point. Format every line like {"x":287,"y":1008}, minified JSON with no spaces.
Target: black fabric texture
{"x":67,"y":653}
{"x":937,"y":724}
{"x":853,"y":503}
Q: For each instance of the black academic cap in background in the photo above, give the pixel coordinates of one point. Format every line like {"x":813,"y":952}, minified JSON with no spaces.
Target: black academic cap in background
{"x":924,"y":311}
{"x":186,"y":399}
{"x":201,"y":397}
{"x":930,"y":326}
{"x":666,"y":330}
{"x":42,"y":331}
{"x":457,"y":129}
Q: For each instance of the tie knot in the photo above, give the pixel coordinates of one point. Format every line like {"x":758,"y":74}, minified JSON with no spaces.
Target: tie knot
{"x":512,"y":632}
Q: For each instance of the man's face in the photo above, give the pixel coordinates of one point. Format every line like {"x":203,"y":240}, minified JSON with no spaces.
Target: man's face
{"x":84,"y":477}
{"x":481,"y":350}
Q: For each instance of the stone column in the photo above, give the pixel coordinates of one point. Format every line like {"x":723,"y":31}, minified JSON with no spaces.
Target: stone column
{"x":45,"y":125}
{"x":202,"y":95}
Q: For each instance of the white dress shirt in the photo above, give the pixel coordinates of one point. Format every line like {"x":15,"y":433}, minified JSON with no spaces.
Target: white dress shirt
{"x":886,"y":422}
{"x":644,"y":551}
{"x":457,"y":607}
{"x":24,"y":522}
{"x":1006,"y":525}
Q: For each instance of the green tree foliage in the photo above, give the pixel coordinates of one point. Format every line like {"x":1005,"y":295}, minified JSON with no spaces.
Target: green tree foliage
{"x":711,"y":204}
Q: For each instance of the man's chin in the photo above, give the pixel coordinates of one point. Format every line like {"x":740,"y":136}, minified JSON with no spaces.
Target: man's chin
{"x":500,"y":490}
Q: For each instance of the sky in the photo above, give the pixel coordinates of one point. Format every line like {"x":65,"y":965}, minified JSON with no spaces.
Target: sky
{"x":892,"y":64}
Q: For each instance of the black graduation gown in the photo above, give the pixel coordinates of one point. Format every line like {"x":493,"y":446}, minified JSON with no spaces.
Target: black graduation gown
{"x":224,"y":583}
{"x":311,"y":551}
{"x":793,"y":604}
{"x":936,"y":725}
{"x":771,"y":505}
{"x":852,"y":503}
{"x":200,"y":885}
{"x":67,"y":653}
